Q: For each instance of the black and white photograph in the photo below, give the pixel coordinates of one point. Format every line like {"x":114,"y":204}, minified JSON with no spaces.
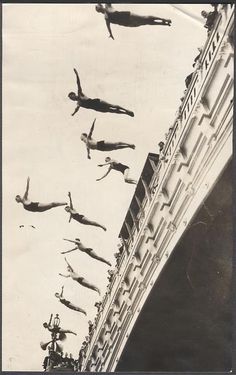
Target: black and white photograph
{"x":117,"y":155}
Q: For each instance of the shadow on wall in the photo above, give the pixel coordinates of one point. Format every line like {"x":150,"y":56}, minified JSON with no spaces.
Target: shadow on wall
{"x":186,"y":323}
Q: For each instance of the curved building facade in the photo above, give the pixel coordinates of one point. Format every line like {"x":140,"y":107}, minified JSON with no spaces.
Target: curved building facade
{"x":168,"y":307}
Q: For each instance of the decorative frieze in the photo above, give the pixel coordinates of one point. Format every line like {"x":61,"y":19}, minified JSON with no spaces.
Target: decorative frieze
{"x":142,"y":286}
{"x":190,"y":189}
{"x":172,"y":227}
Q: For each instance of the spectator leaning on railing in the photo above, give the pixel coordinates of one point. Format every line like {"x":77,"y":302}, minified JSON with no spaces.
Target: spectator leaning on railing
{"x":210,"y":18}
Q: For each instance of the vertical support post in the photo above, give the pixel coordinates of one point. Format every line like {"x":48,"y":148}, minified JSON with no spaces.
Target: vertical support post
{"x":125,"y":245}
{"x":139,"y":205}
{"x":153,"y":165}
{"x":128,"y":229}
{"x":134,"y":219}
{"x":147,"y":190}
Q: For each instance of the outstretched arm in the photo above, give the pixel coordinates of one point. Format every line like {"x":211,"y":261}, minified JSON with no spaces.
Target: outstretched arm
{"x":76,"y":110}
{"x":50,"y":321}
{"x":68,"y":331}
{"x":63,"y":275}
{"x":69,"y":265}
{"x":102,"y":165}
{"x":71,"y":204}
{"x":92,"y":129}
{"x":69,"y":251}
{"x":109,"y":29}
{"x":88,"y":153}
{"x":78,"y":83}
{"x":65,"y":239}
{"x":109,"y":170}
{"x":27,"y":189}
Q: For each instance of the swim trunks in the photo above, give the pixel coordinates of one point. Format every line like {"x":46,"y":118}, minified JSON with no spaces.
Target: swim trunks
{"x":77,"y":217}
{"x":119,"y":18}
{"x":101,"y":146}
{"x":90,"y":103}
{"x":89,"y":249}
{"x":79,"y":279}
{"x":65,"y":302}
{"x":119,"y":167}
{"x":95,"y":104}
{"x":33,"y":206}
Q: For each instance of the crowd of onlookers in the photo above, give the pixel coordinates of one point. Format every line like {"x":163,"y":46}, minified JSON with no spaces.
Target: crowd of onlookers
{"x":56,"y":360}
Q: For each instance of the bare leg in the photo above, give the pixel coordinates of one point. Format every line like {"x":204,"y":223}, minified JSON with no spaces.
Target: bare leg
{"x":95,"y":256}
{"x":86,"y":284}
{"x":76,"y":308}
{"x":116,"y":108}
{"x":120,"y":110}
{"x":94,"y":223}
{"x":68,"y":331}
{"x":120,"y":145}
{"x":68,"y":251}
{"x":110,"y":146}
{"x":127,"y":179}
{"x":137,"y":20}
{"x":154,"y":21}
{"x":47,"y":206}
